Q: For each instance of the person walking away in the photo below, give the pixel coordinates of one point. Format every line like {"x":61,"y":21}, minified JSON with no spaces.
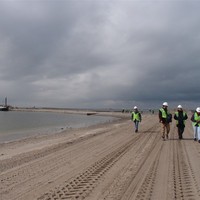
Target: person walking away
{"x":180,"y":116}
{"x":196,"y":124}
{"x":165,"y":118}
{"x":136,"y":118}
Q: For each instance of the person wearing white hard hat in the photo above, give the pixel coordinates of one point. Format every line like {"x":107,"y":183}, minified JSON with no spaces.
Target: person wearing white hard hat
{"x":165,"y":118}
{"x":180,"y":116}
{"x":136,"y":118}
{"x":196,"y":124}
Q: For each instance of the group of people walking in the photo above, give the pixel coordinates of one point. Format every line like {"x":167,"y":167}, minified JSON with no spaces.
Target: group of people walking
{"x":165,"y":118}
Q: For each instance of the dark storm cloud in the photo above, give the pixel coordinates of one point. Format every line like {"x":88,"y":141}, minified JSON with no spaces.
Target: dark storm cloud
{"x":98,"y":53}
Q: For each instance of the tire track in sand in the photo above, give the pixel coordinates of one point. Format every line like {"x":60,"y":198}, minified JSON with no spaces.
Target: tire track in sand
{"x":139,"y":183}
{"x":129,"y":176}
{"x":184,"y":181}
{"x":83,"y":184}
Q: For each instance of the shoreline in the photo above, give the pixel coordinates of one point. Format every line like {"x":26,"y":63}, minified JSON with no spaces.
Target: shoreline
{"x":40,"y":142}
{"x":64,"y":133}
{"x":53,"y":130}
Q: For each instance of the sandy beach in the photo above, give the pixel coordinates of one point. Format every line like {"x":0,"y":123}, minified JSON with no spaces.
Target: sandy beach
{"x":103,"y":162}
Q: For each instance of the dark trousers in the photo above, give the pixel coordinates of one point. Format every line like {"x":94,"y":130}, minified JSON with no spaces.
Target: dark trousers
{"x":180,"y":131}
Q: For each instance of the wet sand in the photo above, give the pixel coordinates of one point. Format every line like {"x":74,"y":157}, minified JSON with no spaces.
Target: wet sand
{"x":105,"y":161}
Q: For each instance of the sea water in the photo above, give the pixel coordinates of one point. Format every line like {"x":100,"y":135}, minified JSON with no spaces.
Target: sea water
{"x":17,"y":125}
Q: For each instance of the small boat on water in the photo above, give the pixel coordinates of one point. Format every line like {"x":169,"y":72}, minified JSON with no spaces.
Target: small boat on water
{"x":4,"y":107}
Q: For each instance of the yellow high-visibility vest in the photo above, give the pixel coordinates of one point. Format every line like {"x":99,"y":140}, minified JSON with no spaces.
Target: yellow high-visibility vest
{"x":136,"y":116}
{"x":196,"y":118}
{"x":184,"y":114}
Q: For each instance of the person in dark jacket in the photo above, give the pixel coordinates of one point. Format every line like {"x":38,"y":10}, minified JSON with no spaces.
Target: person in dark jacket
{"x":180,"y":116}
{"x":165,"y":118}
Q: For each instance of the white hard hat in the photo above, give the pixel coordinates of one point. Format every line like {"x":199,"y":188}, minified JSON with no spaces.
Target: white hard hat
{"x":135,"y":107}
{"x":198,"y":109}
{"x":179,"y":106}
{"x":165,"y":104}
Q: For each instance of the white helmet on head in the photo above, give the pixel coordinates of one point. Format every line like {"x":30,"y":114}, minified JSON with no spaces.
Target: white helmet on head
{"x":165,"y":104}
{"x":198,"y":109}
{"x":179,"y":106}
{"x":135,"y":107}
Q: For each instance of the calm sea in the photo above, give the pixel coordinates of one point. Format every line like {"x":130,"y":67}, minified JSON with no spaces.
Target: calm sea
{"x":17,"y":125}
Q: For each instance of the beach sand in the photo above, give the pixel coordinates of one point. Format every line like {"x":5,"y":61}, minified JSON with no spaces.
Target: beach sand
{"x":103,"y":162}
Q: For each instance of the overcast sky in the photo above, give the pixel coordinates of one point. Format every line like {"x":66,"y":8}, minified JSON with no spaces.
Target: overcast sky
{"x":100,"y":53}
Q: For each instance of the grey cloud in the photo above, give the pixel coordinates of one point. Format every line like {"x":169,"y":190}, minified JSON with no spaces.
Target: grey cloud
{"x":98,"y":53}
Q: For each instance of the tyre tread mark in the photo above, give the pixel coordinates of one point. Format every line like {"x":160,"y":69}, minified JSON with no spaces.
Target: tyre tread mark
{"x":77,"y":189}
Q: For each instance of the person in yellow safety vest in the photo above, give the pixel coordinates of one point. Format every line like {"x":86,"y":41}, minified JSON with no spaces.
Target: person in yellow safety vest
{"x":165,"y":118}
{"x":196,"y":124}
{"x":136,"y":118}
{"x":180,"y":116}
